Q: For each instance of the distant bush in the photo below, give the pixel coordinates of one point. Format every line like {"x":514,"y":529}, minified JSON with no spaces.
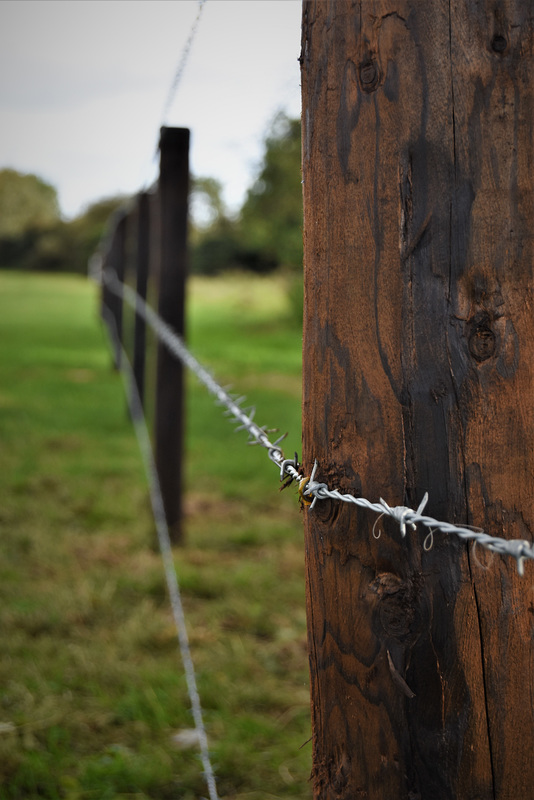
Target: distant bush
{"x":221,"y":251}
{"x":57,"y":245}
{"x":87,"y":230}
{"x":26,"y":203}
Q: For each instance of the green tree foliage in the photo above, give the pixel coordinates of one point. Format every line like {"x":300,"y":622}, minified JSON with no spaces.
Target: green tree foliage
{"x":267,"y":233}
{"x":271,"y":217}
{"x":207,"y":204}
{"x":213,"y":238}
{"x":87,"y":230}
{"x":32,"y":234}
{"x":26,"y":203}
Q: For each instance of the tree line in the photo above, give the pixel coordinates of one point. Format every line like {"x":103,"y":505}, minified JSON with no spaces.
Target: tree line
{"x":266,"y":233}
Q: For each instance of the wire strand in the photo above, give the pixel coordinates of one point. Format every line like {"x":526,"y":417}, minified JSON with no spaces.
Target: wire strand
{"x":182,"y":63}
{"x":156,"y":499}
{"x":243,"y":417}
{"x":520,"y":549}
{"x":310,"y":490}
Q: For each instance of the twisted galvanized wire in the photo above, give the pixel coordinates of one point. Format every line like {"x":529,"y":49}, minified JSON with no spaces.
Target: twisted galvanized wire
{"x":243,"y":417}
{"x":310,"y":490}
{"x":184,"y":56}
{"x":182,"y":62}
{"x":158,"y":510}
{"x":520,"y":549}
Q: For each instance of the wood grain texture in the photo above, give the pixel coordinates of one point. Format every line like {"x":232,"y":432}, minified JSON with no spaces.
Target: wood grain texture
{"x":418,"y":376}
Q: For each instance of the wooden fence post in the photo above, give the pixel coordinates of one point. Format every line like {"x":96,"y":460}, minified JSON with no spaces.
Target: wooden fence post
{"x":173,"y":196}
{"x":114,"y":260}
{"x":142,"y":258}
{"x":419,"y":376}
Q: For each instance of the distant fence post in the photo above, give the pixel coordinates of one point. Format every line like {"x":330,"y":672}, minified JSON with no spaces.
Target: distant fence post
{"x":173,"y":191}
{"x":419,"y":375}
{"x":142,"y":260}
{"x":114,"y":260}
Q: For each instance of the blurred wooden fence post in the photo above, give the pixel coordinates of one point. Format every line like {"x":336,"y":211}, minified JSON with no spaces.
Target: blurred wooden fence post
{"x":142,"y":259}
{"x":173,"y":200}
{"x":419,"y":375}
{"x":114,"y":260}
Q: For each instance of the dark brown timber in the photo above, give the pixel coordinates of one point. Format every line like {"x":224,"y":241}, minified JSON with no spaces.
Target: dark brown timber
{"x":115,"y":261}
{"x":142,"y":252}
{"x":418,"y":167}
{"x":173,"y":194}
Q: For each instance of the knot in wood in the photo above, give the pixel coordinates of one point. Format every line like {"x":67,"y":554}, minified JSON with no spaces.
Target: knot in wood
{"x":369,"y":76}
{"x":499,"y":44}
{"x":396,"y":606}
{"x":482,"y":341}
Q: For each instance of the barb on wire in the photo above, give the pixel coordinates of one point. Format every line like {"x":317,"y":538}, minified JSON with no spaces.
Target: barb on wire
{"x":233,"y":403}
{"x":310,"y":490}
{"x":520,"y":549}
{"x":156,"y":499}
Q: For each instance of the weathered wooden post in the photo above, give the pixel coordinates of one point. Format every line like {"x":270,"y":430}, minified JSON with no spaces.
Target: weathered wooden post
{"x":114,"y":260}
{"x":173,"y":203}
{"x":418,"y":168}
{"x":142,"y":260}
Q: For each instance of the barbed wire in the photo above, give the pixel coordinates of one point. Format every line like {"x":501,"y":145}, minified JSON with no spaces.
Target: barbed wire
{"x":520,"y":549}
{"x":156,"y":499}
{"x":243,"y":417}
{"x":148,"y":181}
{"x":182,"y":62}
{"x":310,"y":490}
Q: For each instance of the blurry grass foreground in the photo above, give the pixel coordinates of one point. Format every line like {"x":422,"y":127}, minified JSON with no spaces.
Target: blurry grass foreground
{"x":92,"y":694}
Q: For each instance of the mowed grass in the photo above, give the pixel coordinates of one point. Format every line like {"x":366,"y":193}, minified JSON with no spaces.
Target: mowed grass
{"x":92,"y":692}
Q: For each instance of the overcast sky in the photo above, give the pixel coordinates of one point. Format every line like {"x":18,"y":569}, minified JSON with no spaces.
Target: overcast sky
{"x":84,"y":83}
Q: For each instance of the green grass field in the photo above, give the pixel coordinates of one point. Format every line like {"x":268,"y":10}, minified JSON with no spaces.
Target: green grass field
{"x":92,"y":692}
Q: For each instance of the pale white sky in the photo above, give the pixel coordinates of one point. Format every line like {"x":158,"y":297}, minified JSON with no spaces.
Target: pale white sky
{"x":83,"y":86}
